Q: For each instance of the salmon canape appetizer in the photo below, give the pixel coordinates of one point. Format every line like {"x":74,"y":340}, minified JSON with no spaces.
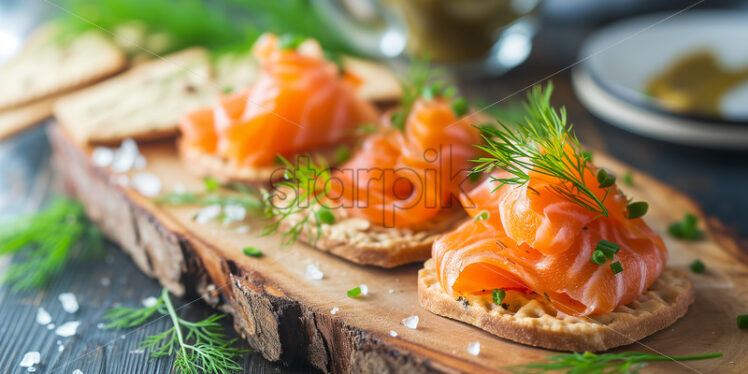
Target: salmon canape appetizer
{"x":301,"y":103}
{"x":396,"y":192}
{"x":556,"y":255}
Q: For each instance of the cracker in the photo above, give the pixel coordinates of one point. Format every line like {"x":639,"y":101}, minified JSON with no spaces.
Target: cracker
{"x":47,"y":66}
{"x":143,"y":103}
{"x":530,"y":319}
{"x":17,"y":119}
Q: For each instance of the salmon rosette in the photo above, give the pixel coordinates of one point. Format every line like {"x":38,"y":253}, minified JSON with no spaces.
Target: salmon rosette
{"x":300,"y":102}
{"x":405,"y":177}
{"x":548,"y":221}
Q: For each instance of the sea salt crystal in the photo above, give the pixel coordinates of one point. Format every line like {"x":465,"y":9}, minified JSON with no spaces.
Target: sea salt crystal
{"x":67,"y":329}
{"x":242,"y":229}
{"x":77,"y":371}
{"x":123,"y":180}
{"x":137,"y":351}
{"x":393,"y":333}
{"x":124,"y":156}
{"x":234,"y":213}
{"x":313,"y":272}
{"x":147,"y":184}
{"x":100,"y":326}
{"x":30,"y":359}
{"x":42,"y":317}
{"x":140,"y":163}
{"x":334,"y":310}
{"x":208,"y":214}
{"x":364,"y":289}
{"x":149,"y":301}
{"x":102,"y":157}
{"x":391,"y":290}
{"x":106,"y":282}
{"x":60,"y":348}
{"x":411,"y":322}
{"x":473,"y":348}
{"x":51,"y":326}
{"x":68,"y":301}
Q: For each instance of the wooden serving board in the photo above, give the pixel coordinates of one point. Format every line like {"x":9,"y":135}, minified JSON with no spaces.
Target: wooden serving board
{"x":287,"y":317}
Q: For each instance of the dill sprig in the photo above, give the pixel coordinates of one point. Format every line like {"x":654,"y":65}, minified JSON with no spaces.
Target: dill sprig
{"x":413,"y":86}
{"x":45,"y":241}
{"x":545,"y":144}
{"x":237,"y":194}
{"x":606,"y":363}
{"x":204,"y":347}
{"x":303,"y":183}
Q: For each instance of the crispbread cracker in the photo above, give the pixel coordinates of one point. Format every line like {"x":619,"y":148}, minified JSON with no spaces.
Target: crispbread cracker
{"x":17,"y":119}
{"x":47,"y":66}
{"x":530,"y":319}
{"x":203,"y":164}
{"x":143,"y":103}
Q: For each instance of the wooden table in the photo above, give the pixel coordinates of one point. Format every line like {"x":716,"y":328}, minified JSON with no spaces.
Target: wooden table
{"x":715,"y":179}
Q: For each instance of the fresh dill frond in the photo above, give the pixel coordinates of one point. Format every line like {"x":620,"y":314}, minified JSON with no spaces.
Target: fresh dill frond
{"x":303,"y":183}
{"x":414,"y":85}
{"x":545,"y":144}
{"x":249,"y":201}
{"x":45,"y":241}
{"x":606,"y":363}
{"x":200,"y":347}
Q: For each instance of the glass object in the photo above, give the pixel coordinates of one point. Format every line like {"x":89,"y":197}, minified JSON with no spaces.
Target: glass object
{"x":474,"y":37}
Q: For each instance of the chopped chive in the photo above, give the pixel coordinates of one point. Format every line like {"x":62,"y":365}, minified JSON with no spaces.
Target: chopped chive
{"x":290,"y":41}
{"x":498,"y":296}
{"x":616,"y":267}
{"x":432,"y":91}
{"x":324,"y":215}
{"x":211,"y":184}
{"x":342,"y":155}
{"x":628,"y":178}
{"x":252,"y":252}
{"x":482,"y":215}
{"x":460,"y":107}
{"x":743,"y":321}
{"x":398,"y":120}
{"x":598,"y":257}
{"x":637,"y":209}
{"x":697,"y":266}
{"x":605,"y":179}
{"x":353,"y":292}
{"x":608,"y":248}
{"x":687,"y":229}
{"x":474,"y":176}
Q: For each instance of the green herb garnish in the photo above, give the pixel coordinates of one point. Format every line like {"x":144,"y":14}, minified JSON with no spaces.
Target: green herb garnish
{"x":460,"y":107}
{"x":354,"y":292}
{"x":628,"y":178}
{"x":413,"y":87}
{"x":45,"y":241}
{"x":498,"y":296}
{"x":637,"y":209}
{"x":249,"y":201}
{"x":203,"y":349}
{"x":342,"y":155}
{"x":687,"y":229}
{"x":290,"y":41}
{"x":482,"y":215}
{"x":211,"y":184}
{"x":598,"y":257}
{"x":252,"y":252}
{"x":605,"y":363}
{"x":324,"y":215}
{"x":605,"y":179}
{"x":743,"y":321}
{"x":605,"y":250}
{"x":697,"y":266}
{"x":616,"y":267}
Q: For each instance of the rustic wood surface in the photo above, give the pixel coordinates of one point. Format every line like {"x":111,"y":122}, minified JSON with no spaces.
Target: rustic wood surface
{"x":287,"y":317}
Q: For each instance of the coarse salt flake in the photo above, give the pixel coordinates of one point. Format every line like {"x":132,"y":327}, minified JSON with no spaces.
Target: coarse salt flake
{"x":391,"y":290}
{"x":125,"y":156}
{"x":208,"y":214}
{"x":77,"y":371}
{"x":106,"y":282}
{"x":242,"y":229}
{"x":411,"y":322}
{"x":393,"y":333}
{"x":149,"y":301}
{"x":313,"y":272}
{"x":51,"y":326}
{"x":364,"y":289}
{"x":473,"y":348}
{"x":102,"y":157}
{"x":68,"y":301}
{"x":147,"y":184}
{"x":234,"y":213}
{"x":334,"y":310}
{"x":30,"y":359}
{"x":140,"y":162}
{"x":67,"y":329}
{"x":42,"y":317}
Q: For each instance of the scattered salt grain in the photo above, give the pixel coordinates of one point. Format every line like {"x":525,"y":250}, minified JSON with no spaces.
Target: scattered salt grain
{"x":149,"y":301}
{"x":68,"y":301}
{"x":42,"y":317}
{"x":77,"y":371}
{"x":30,"y":359}
{"x":364,"y":289}
{"x":334,"y":310}
{"x":140,"y":163}
{"x":67,"y":329}
{"x":234,"y":213}
{"x":208,"y":214}
{"x":242,"y":229}
{"x":147,"y":184}
{"x":313,"y":272}
{"x":106,"y":282}
{"x":411,"y":322}
{"x":473,"y":348}
{"x":180,"y":188}
{"x":102,"y":157}
{"x":124,"y":156}
{"x":51,"y":326}
{"x":137,"y":351}
{"x":393,"y":333}
{"x":60,"y":348}
{"x":391,"y":290}
{"x":100,"y":326}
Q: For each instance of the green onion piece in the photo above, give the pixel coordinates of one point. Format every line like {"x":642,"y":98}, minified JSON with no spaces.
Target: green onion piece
{"x":460,"y":107}
{"x":605,"y":179}
{"x":398,"y":120}
{"x":608,"y":248}
{"x":252,"y":252}
{"x":598,"y":257}
{"x":616,"y":267}
{"x":211,"y":184}
{"x":697,"y":266}
{"x":628,"y":178}
{"x":353,"y":292}
{"x":290,"y":41}
{"x":324,"y":215}
{"x":482,"y":215}
{"x":342,"y":155}
{"x":498,"y":296}
{"x":687,"y":229}
{"x":743,"y":321}
{"x":432,"y":91}
{"x":449,"y":92}
{"x":637,"y":209}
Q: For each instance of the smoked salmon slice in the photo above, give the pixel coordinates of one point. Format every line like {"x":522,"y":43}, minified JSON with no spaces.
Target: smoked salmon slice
{"x":301,"y":102}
